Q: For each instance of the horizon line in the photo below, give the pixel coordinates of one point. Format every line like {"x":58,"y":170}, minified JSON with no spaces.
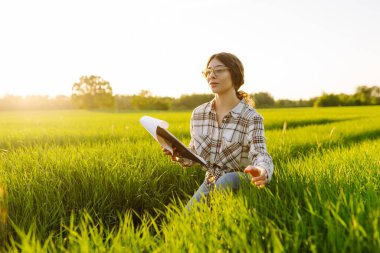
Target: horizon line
{"x":175,"y":97}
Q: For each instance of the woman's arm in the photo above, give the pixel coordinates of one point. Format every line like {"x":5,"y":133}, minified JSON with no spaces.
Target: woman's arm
{"x":261,"y":162}
{"x":176,"y":157}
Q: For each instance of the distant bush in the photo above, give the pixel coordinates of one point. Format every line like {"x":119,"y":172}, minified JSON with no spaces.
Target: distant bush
{"x":146,"y":101}
{"x":189,"y":102}
{"x":363,"y":96}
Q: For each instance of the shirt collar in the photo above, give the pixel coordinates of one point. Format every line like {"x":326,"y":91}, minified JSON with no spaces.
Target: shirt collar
{"x":210,"y":108}
{"x":235,"y":112}
{"x":238,"y":109}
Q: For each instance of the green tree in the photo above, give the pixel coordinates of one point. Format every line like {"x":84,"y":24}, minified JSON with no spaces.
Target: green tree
{"x":123,"y":102}
{"x":363,"y":95}
{"x":327,"y":100}
{"x":375,"y":95}
{"x":92,"y":92}
{"x":141,"y":101}
{"x":263,"y":99}
{"x":368,"y":95}
{"x":189,"y":102}
{"x":146,"y":101}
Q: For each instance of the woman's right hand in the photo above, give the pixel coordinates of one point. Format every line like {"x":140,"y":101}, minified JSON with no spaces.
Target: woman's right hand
{"x":175,"y":156}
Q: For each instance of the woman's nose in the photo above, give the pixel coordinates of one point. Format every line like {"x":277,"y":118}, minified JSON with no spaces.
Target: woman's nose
{"x":211,"y":75}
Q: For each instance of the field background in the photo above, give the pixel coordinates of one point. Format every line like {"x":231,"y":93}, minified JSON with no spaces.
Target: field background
{"x":83,"y":181}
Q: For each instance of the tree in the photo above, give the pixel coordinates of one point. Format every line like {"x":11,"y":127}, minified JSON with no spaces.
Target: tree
{"x":189,"y":102}
{"x":263,"y":99}
{"x":146,"y":101}
{"x":368,"y":95}
{"x":92,"y":92}
{"x":375,"y":95}
{"x":142,"y":100}
{"x":123,"y":102}
{"x":327,"y":100}
{"x":363,"y":95}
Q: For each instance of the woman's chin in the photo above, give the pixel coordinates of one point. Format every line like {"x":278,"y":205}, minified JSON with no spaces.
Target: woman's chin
{"x":214,"y":89}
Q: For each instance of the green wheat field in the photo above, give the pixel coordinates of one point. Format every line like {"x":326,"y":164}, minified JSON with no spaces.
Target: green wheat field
{"x":85,"y":181}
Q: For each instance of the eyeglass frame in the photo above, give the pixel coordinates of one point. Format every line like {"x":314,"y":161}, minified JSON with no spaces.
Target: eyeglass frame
{"x":212,"y":70}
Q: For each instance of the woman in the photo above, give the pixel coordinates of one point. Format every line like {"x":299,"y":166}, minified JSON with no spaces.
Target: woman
{"x":227,"y":132}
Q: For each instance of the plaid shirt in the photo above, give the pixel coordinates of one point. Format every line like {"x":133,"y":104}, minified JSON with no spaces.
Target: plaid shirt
{"x":234,"y":145}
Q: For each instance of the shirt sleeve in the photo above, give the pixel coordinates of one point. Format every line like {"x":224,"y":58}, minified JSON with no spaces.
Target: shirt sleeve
{"x":258,"y":151}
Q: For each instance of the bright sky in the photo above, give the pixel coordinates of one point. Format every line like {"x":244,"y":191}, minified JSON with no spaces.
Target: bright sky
{"x":291,"y":49}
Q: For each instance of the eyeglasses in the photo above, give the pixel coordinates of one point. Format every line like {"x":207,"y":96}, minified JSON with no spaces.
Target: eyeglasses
{"x":217,"y":71}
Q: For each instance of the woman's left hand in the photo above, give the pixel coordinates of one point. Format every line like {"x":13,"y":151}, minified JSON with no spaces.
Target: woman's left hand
{"x":259,"y":175}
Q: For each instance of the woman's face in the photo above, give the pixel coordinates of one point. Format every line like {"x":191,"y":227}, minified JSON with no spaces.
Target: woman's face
{"x":219,"y":80}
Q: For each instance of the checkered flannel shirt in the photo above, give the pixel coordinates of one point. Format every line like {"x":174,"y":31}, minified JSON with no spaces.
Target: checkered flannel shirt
{"x":237,"y":143}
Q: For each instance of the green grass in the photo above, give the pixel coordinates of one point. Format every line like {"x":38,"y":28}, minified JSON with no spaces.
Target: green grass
{"x":80,"y":181}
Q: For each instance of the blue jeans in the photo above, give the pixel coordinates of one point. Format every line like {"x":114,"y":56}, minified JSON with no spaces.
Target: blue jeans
{"x":231,"y":180}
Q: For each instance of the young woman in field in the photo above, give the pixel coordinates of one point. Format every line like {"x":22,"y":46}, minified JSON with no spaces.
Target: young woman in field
{"x":227,"y":132}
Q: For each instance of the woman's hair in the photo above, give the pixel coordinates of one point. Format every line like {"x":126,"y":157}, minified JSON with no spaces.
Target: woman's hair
{"x":237,"y":73}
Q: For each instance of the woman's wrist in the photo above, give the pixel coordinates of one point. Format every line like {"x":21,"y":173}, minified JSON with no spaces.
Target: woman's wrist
{"x":185,"y":162}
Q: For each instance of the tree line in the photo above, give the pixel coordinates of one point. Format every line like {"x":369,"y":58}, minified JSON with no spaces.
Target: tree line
{"x":93,"y":92}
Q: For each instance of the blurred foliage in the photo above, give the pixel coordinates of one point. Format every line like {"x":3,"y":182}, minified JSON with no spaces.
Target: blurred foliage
{"x":94,"y":93}
{"x":281,"y":103}
{"x":363,"y":96}
{"x":189,"y":102}
{"x":145,"y":101}
{"x":263,"y":99}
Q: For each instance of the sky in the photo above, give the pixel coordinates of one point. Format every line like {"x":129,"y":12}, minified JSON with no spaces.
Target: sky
{"x":291,"y":49}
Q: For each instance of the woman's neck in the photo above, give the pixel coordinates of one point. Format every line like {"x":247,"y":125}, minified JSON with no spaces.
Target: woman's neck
{"x":225,"y":102}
